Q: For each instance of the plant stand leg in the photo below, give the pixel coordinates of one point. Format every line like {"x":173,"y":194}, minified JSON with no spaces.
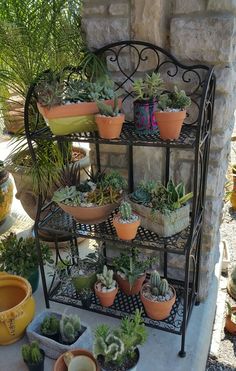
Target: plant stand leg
{"x":182,"y":352}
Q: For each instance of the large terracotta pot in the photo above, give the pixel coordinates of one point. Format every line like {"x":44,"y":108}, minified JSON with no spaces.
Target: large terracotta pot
{"x":89,"y":215}
{"x":60,"y":363}
{"x":106,"y":298}
{"x":6,"y":195}
{"x":170,"y":124}
{"x":17,"y":307}
{"x":125,"y":286}
{"x":230,"y":326}
{"x":109,"y":127}
{"x":126,"y":231}
{"x":155,"y":309}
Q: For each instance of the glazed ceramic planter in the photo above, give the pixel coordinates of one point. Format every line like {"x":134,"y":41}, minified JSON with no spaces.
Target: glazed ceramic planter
{"x":89,"y":215}
{"x":165,"y":225}
{"x":71,"y":118}
{"x":84,"y":282}
{"x":106,"y":298}
{"x":17,"y":307}
{"x":126,"y":231}
{"x":230,"y":326}
{"x":6,"y":195}
{"x":124,"y":285}
{"x":170,"y":124}
{"x":109,"y":127}
{"x":36,"y":367}
{"x":61,"y":366}
{"x":144,"y":117}
{"x":53,"y":349}
{"x":157,"y":310}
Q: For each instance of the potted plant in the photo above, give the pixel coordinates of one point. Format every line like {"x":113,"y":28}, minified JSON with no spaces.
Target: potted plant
{"x":131,"y":271}
{"x":163,"y":210}
{"x":146,"y":91}
{"x":231,"y":286}
{"x":85,"y":296}
{"x":50,"y":327}
{"x":6,"y":193}
{"x":71,"y":333}
{"x":158,"y":297}
{"x":19,"y":256}
{"x":33,"y":356}
{"x":91,"y":201}
{"x":69,"y":106}
{"x":117,"y":349}
{"x":109,"y":120}
{"x":76,"y":359}
{"x":230,"y":321}
{"x":126,"y":222}
{"x":171,"y":113}
{"x":106,"y":287}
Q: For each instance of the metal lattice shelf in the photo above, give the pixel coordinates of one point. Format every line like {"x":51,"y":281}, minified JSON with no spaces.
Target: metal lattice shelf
{"x":124,"y":305}
{"x":60,"y":221}
{"x":128,"y":136}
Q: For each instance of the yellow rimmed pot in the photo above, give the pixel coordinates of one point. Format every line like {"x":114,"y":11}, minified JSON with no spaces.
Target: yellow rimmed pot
{"x":17,"y":307}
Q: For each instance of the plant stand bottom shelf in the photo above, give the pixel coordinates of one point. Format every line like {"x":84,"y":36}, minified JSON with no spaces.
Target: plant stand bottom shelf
{"x":124,"y":305}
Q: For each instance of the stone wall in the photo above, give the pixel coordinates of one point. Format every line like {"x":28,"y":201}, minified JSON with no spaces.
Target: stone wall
{"x":194,"y":31}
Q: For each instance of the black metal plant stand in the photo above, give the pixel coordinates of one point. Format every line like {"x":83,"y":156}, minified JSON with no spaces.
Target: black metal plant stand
{"x":199,"y":82}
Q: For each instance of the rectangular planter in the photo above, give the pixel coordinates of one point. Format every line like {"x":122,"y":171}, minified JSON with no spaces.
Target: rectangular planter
{"x":52,"y":348}
{"x":165,"y":225}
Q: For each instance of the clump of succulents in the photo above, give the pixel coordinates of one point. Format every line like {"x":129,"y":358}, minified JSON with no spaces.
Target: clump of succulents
{"x":148,"y":87}
{"x":31,"y":353}
{"x":115,"y":347}
{"x":159,"y":287}
{"x":70,"y":328}
{"x":107,"y":110}
{"x":106,"y":279}
{"x":176,"y":100}
{"x":50,"y":325}
{"x":158,"y":197}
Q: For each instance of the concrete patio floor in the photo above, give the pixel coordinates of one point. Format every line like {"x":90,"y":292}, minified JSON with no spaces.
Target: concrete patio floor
{"x":160,"y":352}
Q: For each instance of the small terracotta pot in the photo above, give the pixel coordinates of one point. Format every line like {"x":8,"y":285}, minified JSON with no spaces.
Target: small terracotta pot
{"x":230,"y":326}
{"x":61,"y":366}
{"x":170,"y":124}
{"x":106,"y":298}
{"x":125,"y":286}
{"x":126,"y":231}
{"x":109,"y":127}
{"x":155,"y":309}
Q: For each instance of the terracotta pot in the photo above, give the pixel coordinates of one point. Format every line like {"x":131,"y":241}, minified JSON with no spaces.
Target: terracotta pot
{"x":89,"y":215}
{"x":230,"y":326}
{"x":6,"y":195}
{"x":170,"y":124}
{"x":158,"y":310}
{"x":106,"y":298}
{"x":233,"y":194}
{"x":61,"y":366}
{"x":125,"y":286}
{"x":126,"y":231}
{"x":17,"y":307}
{"x":109,"y":127}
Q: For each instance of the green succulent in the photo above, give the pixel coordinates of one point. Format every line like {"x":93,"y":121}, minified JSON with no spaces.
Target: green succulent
{"x":70,"y":327}
{"x":174,"y":100}
{"x":106,"y":278}
{"x":108,"y":110}
{"x":148,"y":87}
{"x":31,"y":353}
{"x":50,"y":325}
{"x":125,"y":210}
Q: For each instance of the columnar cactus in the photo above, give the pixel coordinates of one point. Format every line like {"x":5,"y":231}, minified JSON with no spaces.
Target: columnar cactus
{"x":106,"y":278}
{"x":163,"y":287}
{"x":125,"y":210}
{"x":31,"y":353}
{"x":70,"y":327}
{"x":155,"y":281}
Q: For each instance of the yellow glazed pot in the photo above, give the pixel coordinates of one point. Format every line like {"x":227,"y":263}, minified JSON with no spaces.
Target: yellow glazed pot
{"x":17,"y":307}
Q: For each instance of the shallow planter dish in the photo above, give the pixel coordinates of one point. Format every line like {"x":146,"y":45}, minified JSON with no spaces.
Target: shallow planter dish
{"x":230,"y":326}
{"x":109,"y":127}
{"x":126,"y":231}
{"x":71,"y":118}
{"x":89,"y":215}
{"x":157,"y":310}
{"x":170,"y":124}
{"x":60,"y":363}
{"x":17,"y":307}
{"x":52,"y":348}
{"x":125,"y":286}
{"x":133,"y":368}
{"x":106,"y":298}
{"x":165,"y":225}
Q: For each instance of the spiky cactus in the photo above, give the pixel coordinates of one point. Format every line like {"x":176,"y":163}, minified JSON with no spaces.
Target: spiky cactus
{"x":163,"y":287}
{"x":111,"y":347}
{"x":155,"y":281}
{"x":106,"y":278}
{"x":69,"y":328}
{"x":107,"y":110}
{"x":50,"y":325}
{"x":125,"y":210}
{"x":31,"y":353}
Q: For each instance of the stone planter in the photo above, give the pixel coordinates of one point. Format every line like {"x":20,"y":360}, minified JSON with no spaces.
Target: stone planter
{"x":52,"y":348}
{"x":164,"y":225}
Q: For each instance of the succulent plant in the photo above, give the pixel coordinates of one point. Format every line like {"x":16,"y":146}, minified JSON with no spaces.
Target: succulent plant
{"x":66,"y":193}
{"x":70,"y":326}
{"x":158,"y":286}
{"x":50,"y":325}
{"x":106,"y":278}
{"x":148,"y":87}
{"x":31,"y":353}
{"x":140,"y":196}
{"x":111,"y":347}
{"x":177,"y":100}
{"x":125,"y":210}
{"x":163,"y":287}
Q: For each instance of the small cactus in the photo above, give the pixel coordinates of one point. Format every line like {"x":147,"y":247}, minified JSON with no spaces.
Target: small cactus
{"x":50,"y":325}
{"x":69,"y":328}
{"x":125,"y":210}
{"x":31,"y":353}
{"x":106,"y":278}
{"x":163,"y":287}
{"x":158,"y":286}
